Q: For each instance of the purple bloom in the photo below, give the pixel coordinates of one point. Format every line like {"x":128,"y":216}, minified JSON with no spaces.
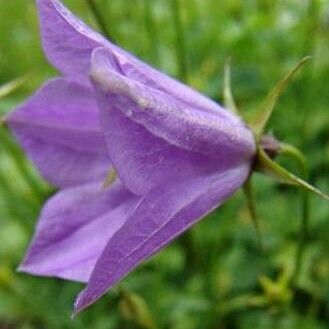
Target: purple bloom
{"x":177,"y":155}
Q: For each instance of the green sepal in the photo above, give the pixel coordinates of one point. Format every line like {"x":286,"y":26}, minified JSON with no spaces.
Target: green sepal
{"x":266,"y":165}
{"x":228,"y":98}
{"x":267,"y":107}
{"x":294,"y":153}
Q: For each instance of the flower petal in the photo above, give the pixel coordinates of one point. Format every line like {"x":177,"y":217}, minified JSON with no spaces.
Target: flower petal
{"x":68,"y":43}
{"x":160,"y":217}
{"x":152,"y":137}
{"x":139,"y":71}
{"x":59,"y":129}
{"x":170,"y":119}
{"x":74,"y":227}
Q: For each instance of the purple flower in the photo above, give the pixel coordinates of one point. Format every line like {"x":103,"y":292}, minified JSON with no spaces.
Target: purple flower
{"x":177,"y":155}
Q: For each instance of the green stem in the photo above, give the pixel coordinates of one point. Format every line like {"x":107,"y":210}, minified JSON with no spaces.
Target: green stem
{"x":99,"y":18}
{"x":249,"y":193}
{"x":187,"y":239}
{"x":151,"y":30}
{"x":179,"y":40}
{"x":294,"y":153}
{"x":187,"y":243}
{"x":35,"y":187}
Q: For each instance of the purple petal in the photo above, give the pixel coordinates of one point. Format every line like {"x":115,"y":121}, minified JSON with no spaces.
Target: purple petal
{"x":74,"y":227}
{"x":68,"y":43}
{"x":160,"y":217}
{"x":137,"y":70}
{"x":152,"y":137}
{"x":168,"y":118}
{"x":59,"y":129}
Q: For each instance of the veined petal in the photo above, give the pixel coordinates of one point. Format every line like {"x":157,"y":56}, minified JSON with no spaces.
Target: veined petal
{"x":152,"y":137}
{"x":68,"y":43}
{"x":73,"y":229}
{"x":160,"y":216}
{"x":139,"y":71}
{"x":181,"y":125}
{"x":59,"y":129}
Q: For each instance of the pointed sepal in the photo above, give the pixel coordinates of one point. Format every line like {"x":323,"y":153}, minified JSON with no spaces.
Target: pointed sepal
{"x":266,"y":165}
{"x":228,"y":98}
{"x":267,"y":107}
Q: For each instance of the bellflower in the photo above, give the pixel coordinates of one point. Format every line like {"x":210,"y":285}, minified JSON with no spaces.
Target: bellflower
{"x":177,"y":156}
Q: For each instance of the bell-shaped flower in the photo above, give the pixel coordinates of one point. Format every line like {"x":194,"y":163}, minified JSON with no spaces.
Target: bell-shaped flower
{"x":177,"y":156}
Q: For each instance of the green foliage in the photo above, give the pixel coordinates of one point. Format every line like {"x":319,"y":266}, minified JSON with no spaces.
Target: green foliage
{"x":215,"y":276}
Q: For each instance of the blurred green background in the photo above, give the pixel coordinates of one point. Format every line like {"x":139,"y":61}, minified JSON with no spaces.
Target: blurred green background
{"x":215,"y":276}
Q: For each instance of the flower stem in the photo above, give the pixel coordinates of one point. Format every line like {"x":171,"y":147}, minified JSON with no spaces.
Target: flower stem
{"x":249,"y":193}
{"x":99,"y":18}
{"x":187,"y":239}
{"x":294,"y":153}
{"x":179,"y":40}
{"x":151,"y":30}
{"x":13,"y":153}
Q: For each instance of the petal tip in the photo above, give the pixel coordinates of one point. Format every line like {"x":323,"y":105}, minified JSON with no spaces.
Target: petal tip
{"x":108,"y":79}
{"x":97,"y":76}
{"x":23,"y":267}
{"x":107,"y":74}
{"x":85,"y":299}
{"x":80,"y":304}
{"x":102,"y":65}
